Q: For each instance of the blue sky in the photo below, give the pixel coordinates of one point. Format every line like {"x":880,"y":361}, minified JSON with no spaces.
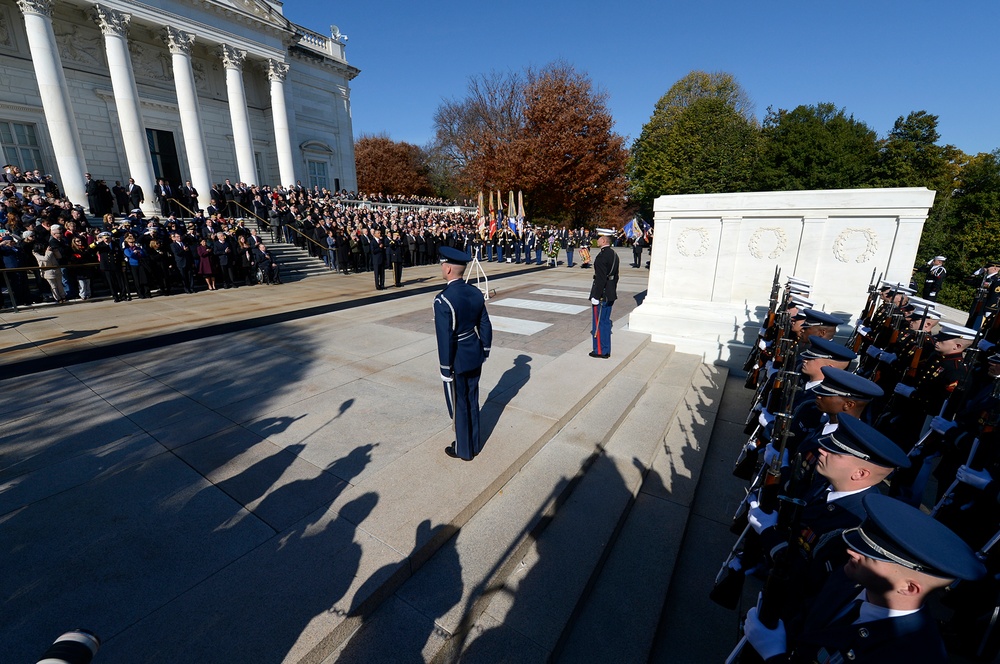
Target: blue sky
{"x":877,"y":59}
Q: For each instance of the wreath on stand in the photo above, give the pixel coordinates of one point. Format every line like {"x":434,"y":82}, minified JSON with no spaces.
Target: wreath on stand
{"x":552,"y":247}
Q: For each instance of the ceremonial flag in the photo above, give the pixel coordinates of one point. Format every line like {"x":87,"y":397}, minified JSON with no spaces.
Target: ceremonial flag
{"x":512,"y":224}
{"x":510,"y":204}
{"x":630,"y":230}
{"x":482,"y":212}
{"x":520,"y":205}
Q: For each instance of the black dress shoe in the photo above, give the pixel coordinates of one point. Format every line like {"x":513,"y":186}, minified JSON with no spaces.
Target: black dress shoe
{"x":603,"y":357}
{"x":450,"y":451}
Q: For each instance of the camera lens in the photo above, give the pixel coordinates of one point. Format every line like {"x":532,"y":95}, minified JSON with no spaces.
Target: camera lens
{"x":76,"y":647}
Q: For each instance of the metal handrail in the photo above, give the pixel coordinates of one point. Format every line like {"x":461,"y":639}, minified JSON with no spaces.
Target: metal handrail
{"x":10,"y":288}
{"x":190,"y":211}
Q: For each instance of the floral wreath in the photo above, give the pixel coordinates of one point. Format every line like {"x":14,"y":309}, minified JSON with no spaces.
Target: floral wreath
{"x":552,"y":247}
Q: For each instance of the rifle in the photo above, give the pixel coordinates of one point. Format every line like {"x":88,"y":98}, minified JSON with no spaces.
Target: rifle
{"x":772,"y":309}
{"x":979,"y":301}
{"x":729,"y":582}
{"x":871,"y":306}
{"x":949,"y":495}
{"x":779,"y":580}
{"x":929,"y":441}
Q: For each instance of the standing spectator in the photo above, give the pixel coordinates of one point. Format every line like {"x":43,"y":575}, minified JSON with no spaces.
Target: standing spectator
{"x":223,"y":252}
{"x":378,"y":256}
{"x":90,"y":187}
{"x":183,"y":261}
{"x":121,"y":197}
{"x":135,"y":196}
{"x":138,"y":264}
{"x":80,"y":254}
{"x":248,"y":264}
{"x":395,"y":253}
{"x":48,"y":261}
{"x":206,"y":263}
{"x":110,"y":258}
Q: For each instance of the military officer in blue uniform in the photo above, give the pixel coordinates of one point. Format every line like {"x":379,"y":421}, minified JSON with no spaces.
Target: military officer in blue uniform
{"x":603,"y":294}
{"x":464,"y":335}
{"x":875,"y":610}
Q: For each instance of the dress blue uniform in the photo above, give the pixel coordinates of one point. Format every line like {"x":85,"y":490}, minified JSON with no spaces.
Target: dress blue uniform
{"x":464,"y":335}
{"x":603,"y":294}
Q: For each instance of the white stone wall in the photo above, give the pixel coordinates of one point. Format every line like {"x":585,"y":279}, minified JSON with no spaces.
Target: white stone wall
{"x":317,"y":92}
{"x":714,"y":255}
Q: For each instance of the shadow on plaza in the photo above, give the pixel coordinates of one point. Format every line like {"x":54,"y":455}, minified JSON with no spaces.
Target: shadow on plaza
{"x":507,"y":387}
{"x":131,"y":509}
{"x":579,"y":598}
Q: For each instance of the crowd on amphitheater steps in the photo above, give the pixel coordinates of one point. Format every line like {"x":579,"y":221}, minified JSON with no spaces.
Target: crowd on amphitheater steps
{"x":57,"y":250}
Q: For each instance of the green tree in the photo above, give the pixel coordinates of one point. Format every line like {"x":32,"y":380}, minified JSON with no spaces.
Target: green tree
{"x":816,"y":147}
{"x":969,"y":232}
{"x":911,"y":157}
{"x":653,"y":168}
{"x":710,"y":148}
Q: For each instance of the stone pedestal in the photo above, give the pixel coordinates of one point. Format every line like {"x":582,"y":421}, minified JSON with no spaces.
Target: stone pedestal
{"x":713,"y":258}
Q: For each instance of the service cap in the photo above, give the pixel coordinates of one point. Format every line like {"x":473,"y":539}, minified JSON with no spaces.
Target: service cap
{"x":898,"y":533}
{"x":841,"y":383}
{"x":854,"y":437}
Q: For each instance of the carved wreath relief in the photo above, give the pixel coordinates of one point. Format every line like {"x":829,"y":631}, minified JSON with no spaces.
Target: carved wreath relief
{"x":685,"y":242}
{"x":840,"y":245}
{"x":780,"y":242}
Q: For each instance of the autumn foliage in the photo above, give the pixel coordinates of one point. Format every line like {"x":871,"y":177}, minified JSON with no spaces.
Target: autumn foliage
{"x":547,"y":133}
{"x":390,"y":167}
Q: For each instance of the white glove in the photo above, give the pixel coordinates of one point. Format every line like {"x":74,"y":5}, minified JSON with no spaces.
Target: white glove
{"x":771,"y":453}
{"x":904,"y":390}
{"x":864,"y":330}
{"x":873,"y":352}
{"x":446,"y":379}
{"x":985,"y":345}
{"x":888,"y":358}
{"x":762,"y":344}
{"x":977,"y":479}
{"x":759,"y":519}
{"x":942,"y":425}
{"x":594,"y":301}
{"x":765,"y":418}
{"x":767,"y":642}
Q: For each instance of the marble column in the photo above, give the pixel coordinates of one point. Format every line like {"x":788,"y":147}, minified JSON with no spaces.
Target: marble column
{"x":52,"y":88}
{"x":232,"y":59}
{"x":180,"y":44}
{"x":114,"y":25}
{"x":276,"y":72}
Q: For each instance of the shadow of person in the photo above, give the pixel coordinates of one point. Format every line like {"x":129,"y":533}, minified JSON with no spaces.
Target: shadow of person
{"x":411,"y":624}
{"x":272,"y":425}
{"x":535,"y":603}
{"x":507,"y":387}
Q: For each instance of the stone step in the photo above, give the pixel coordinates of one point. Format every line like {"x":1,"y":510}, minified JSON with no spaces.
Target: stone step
{"x":302,"y":592}
{"x":442,"y":605}
{"x":529,"y":612}
{"x":618,"y":619}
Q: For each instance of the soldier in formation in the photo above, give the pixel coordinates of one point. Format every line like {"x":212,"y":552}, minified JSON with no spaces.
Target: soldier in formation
{"x":841,"y":511}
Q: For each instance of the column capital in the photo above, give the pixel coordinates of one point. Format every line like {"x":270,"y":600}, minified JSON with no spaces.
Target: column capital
{"x":112,"y":22}
{"x":39,"y":7}
{"x":232,"y":58}
{"x":178,"y":41}
{"x":276,"y":70}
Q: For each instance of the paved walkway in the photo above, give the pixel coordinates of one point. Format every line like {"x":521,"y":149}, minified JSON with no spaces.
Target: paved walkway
{"x":198,"y":469}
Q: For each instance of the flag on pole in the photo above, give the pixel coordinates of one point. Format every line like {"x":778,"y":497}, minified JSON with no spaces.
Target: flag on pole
{"x":482,"y":212}
{"x":520,"y":205}
{"x":631,"y":230}
{"x":510,"y":205}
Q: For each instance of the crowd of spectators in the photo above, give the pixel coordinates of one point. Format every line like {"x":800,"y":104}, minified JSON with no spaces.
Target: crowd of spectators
{"x":189,"y":248}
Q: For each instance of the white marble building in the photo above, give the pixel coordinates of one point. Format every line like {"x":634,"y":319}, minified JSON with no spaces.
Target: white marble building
{"x":184,"y":89}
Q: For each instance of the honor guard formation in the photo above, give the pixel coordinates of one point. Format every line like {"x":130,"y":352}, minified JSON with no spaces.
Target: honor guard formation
{"x":842,"y":521}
